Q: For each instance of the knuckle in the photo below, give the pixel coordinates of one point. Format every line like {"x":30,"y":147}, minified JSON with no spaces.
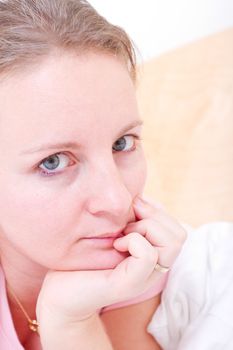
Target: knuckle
{"x":149,"y":224}
{"x":183,"y":235}
{"x":134,"y":235}
{"x":151,"y":256}
{"x":176,"y":247}
{"x":180,"y":237}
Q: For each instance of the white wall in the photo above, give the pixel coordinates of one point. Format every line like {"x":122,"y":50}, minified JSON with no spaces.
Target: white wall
{"x":157,"y":26}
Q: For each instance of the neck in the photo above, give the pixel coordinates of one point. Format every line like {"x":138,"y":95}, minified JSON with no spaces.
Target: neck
{"x":25,"y":279}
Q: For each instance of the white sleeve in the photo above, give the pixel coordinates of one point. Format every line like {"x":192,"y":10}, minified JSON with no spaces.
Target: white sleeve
{"x":196,"y":310}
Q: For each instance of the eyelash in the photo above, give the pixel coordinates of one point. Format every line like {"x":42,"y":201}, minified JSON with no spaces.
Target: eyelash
{"x":45,"y":173}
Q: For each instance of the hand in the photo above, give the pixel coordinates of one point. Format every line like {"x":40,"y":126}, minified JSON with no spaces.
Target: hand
{"x":159,"y":228}
{"x":74,"y":296}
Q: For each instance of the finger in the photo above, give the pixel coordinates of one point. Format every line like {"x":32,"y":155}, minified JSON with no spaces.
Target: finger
{"x":143,"y":255}
{"x":160,"y":237}
{"x":135,"y":274}
{"x":153,"y":231}
{"x":153,"y":203}
{"x":167,"y":242}
{"x":144,"y":210}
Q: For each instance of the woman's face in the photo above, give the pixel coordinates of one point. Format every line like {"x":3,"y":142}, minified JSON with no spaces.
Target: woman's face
{"x":71,"y":162}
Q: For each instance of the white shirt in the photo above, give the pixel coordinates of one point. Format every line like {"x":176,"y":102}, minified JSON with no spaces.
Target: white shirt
{"x":196,"y":310}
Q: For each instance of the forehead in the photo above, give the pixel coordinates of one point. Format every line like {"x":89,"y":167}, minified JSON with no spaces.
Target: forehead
{"x":68,"y":93}
{"x":69,"y":80}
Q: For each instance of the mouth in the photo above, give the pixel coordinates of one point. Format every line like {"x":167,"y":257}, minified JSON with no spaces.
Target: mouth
{"x":104,"y":241}
{"x":110,"y":236}
{"x":107,"y":236}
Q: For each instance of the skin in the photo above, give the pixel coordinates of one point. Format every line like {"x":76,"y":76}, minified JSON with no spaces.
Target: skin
{"x":47,"y":223}
{"x":94,"y":194}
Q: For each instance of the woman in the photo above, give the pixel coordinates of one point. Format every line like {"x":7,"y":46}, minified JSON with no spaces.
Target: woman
{"x":77,"y":240}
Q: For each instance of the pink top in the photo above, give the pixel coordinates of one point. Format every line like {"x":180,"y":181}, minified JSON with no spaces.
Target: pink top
{"x":8,"y":335}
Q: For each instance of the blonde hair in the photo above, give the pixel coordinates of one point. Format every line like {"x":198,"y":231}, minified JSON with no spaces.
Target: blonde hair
{"x":31,"y":29}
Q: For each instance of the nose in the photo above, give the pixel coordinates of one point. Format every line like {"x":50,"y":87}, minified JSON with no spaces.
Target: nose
{"x":107,"y":192}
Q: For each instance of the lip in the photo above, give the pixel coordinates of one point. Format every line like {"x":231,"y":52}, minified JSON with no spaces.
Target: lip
{"x":107,"y":236}
{"x":102,"y":241}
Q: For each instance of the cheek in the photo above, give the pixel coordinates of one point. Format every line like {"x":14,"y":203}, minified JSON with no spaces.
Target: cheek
{"x":37,"y":216}
{"x":134,"y":175}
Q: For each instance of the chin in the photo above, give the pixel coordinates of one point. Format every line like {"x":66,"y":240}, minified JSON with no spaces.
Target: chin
{"x":105,"y":260}
{"x":108,"y":261}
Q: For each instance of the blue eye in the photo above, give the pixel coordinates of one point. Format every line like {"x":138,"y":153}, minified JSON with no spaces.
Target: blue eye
{"x":125,"y":144}
{"x":54,"y":164}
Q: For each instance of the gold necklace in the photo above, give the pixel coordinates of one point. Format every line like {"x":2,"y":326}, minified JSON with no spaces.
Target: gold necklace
{"x":32,"y":324}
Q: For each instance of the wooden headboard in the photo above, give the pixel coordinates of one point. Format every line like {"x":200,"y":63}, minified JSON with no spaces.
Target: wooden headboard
{"x":186,"y":100}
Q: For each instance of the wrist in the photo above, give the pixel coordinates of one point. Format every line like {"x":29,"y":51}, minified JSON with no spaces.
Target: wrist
{"x":86,"y":334}
{"x":53,"y":322}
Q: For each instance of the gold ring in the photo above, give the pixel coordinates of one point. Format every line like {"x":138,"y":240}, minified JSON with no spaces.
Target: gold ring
{"x":161,"y":268}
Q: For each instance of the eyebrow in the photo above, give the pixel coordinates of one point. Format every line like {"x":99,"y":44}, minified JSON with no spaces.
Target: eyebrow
{"x":74,"y":145}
